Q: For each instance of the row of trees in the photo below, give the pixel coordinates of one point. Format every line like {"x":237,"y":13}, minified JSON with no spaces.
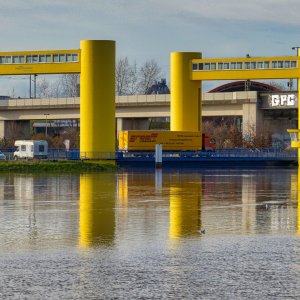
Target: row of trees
{"x":130,"y":80}
{"x":227,"y":134}
{"x":66,"y":86}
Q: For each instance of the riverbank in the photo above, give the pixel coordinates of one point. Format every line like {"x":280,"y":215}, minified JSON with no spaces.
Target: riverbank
{"x":64,"y":166}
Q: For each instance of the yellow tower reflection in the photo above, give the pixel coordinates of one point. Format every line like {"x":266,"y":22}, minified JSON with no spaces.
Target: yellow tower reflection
{"x":295,"y":195}
{"x":298,"y":210}
{"x":97,"y":209}
{"x":185,"y":207}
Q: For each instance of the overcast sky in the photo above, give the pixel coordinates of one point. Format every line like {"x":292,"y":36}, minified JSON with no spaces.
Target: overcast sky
{"x":151,"y":29}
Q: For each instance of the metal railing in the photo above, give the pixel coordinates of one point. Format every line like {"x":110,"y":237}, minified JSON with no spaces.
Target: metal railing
{"x":221,"y":154}
{"x":32,"y":102}
{"x":75,"y":154}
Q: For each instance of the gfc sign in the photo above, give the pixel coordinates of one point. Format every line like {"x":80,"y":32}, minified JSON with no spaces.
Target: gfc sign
{"x":280,"y":101}
{"x":283,"y":100}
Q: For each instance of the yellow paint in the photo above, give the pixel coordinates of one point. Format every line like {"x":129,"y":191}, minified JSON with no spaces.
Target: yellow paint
{"x":97,"y":98}
{"x":96,"y":65}
{"x":185,"y":208}
{"x":298,"y":86}
{"x":295,"y":144}
{"x":185,"y":93}
{"x":298,"y":209}
{"x":97,"y":213}
{"x":39,"y":67}
{"x":123,"y":190}
{"x":246,"y":74}
{"x":295,"y":133}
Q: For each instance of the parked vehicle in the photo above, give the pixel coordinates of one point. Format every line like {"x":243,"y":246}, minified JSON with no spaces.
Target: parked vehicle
{"x":145,"y":140}
{"x":30,"y":149}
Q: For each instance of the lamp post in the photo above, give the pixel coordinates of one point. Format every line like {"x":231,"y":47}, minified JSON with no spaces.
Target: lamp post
{"x":296,"y":48}
{"x":34,"y":86}
{"x":46,"y":133}
{"x":298,"y":52}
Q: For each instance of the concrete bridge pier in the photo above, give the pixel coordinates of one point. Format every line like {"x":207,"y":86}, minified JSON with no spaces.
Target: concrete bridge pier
{"x":132,"y":124}
{"x":15,"y":129}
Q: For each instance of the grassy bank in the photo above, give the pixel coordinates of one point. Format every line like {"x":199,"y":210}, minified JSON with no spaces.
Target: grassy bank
{"x":56,"y":166}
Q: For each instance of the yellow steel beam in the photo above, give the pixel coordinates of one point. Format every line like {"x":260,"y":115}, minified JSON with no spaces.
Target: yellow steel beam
{"x":243,"y":74}
{"x":25,"y":68}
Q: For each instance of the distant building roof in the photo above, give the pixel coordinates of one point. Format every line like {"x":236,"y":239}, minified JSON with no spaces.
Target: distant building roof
{"x":239,"y":86}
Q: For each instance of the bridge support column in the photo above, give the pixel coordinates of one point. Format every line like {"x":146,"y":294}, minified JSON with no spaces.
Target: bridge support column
{"x":97,"y":99}
{"x":298,"y":94}
{"x":252,"y":119}
{"x":2,"y":129}
{"x":185,"y":93}
{"x":19,"y":129}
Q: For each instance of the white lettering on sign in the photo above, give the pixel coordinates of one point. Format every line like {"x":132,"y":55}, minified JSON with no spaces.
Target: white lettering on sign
{"x":283,"y":100}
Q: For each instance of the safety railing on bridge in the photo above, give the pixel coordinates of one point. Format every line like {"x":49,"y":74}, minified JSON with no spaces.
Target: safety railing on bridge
{"x":134,"y":99}
{"x":75,"y":154}
{"x":33,"y":102}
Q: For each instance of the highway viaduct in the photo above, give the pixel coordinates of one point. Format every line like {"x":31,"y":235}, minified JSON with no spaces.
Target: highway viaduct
{"x":132,"y":112}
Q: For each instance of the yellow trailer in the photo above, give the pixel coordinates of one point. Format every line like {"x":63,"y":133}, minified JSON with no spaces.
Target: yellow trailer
{"x":145,"y":140}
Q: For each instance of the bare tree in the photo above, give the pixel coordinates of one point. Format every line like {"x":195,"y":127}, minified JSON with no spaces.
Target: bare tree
{"x":43,"y":88}
{"x":149,"y":73}
{"x":122,"y":76}
{"x":279,"y":85}
{"x":126,"y":77}
{"x":12,"y":93}
{"x":133,"y":80}
{"x":70,"y":85}
{"x":56,"y":89}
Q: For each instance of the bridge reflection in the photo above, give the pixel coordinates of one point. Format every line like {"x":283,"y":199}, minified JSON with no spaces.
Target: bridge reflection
{"x":97,"y":209}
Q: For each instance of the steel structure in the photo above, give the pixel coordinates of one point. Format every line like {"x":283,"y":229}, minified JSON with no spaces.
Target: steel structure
{"x":95,"y":62}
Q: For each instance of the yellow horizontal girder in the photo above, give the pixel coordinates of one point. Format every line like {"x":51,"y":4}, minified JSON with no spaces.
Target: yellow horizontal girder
{"x":246,"y":74}
{"x":21,"y":62}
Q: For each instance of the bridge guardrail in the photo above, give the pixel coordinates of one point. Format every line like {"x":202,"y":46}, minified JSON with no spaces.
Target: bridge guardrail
{"x":75,"y":154}
{"x":22,"y":102}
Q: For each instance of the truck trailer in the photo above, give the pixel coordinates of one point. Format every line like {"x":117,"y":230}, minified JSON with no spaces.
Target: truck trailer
{"x":29,"y":149}
{"x":145,"y":140}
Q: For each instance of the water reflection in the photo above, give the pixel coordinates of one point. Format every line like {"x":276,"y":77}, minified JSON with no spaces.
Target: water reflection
{"x":145,"y":229}
{"x":97,"y":209}
{"x":130,"y":207}
{"x":185,"y":206}
{"x":143,"y":200}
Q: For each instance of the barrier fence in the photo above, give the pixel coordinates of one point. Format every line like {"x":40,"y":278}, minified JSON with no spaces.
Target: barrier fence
{"x":75,"y":154}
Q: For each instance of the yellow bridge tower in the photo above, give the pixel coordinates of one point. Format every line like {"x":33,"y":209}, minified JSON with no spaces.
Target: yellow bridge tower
{"x":95,"y":62}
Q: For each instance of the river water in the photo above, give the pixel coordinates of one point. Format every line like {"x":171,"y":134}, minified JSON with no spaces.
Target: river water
{"x":170,"y":234}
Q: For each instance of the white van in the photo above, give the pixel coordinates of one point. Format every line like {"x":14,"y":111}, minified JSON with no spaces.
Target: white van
{"x":31,"y":149}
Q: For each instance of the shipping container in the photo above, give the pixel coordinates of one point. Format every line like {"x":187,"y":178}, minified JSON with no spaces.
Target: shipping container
{"x":145,"y":140}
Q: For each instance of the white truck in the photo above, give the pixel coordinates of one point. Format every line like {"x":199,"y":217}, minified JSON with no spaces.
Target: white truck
{"x":29,"y":149}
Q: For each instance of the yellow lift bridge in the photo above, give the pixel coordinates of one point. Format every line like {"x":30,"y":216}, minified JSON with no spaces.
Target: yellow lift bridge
{"x":95,"y":61}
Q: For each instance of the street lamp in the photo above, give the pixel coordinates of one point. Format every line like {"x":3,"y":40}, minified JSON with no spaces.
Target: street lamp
{"x":46,"y":115}
{"x":297,"y":49}
{"x":34,"y":86}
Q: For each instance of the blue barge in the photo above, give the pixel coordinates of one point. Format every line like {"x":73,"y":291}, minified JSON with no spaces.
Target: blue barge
{"x":230,"y":158}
